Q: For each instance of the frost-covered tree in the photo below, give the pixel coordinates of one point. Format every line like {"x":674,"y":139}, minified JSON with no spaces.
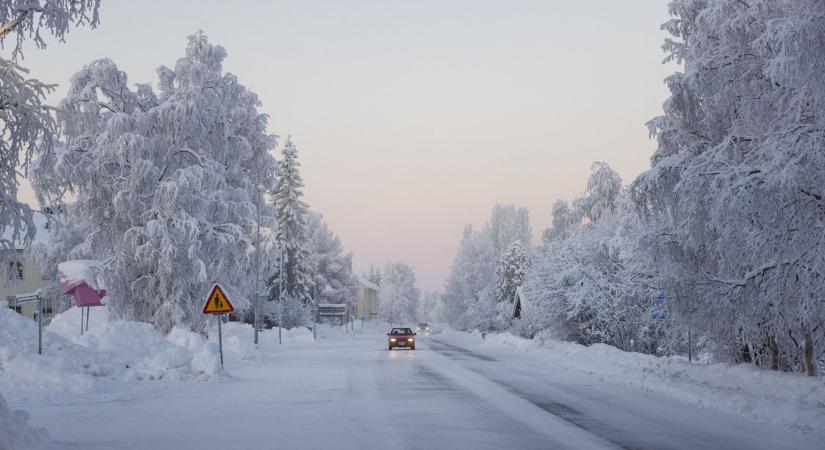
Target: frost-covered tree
{"x":374,"y":275}
{"x":470,"y":294}
{"x":291,"y":236}
{"x":398,"y":296}
{"x":163,"y":185}
{"x":509,"y":224}
{"x":583,"y":285}
{"x":432,"y":308}
{"x":27,"y":125}
{"x":735,"y":194}
{"x":511,"y":272}
{"x":332,"y":269}
{"x":563,"y":221}
{"x":472,"y":272}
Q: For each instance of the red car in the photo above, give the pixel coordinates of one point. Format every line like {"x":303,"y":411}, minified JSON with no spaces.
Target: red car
{"x":401,"y":337}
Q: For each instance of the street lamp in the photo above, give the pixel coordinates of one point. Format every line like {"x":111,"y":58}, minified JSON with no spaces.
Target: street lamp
{"x":259,"y":192}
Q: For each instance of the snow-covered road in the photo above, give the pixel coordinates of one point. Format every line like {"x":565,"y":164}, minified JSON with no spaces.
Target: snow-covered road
{"x":351,"y":393}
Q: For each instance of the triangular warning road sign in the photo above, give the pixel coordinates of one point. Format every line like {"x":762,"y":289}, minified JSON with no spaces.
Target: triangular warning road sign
{"x":217,"y":302}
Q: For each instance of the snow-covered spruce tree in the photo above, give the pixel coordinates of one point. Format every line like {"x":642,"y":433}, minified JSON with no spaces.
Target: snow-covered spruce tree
{"x":292,"y":241}
{"x":735,"y":190}
{"x":511,"y":272}
{"x":332,"y":270}
{"x":398,"y":297}
{"x":164,"y":185}
{"x":28,"y":127}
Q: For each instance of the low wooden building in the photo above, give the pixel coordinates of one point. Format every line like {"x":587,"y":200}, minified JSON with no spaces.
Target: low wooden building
{"x":367,"y":306}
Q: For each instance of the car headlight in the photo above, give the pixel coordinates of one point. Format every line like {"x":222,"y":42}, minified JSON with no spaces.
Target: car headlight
{"x":409,"y":340}
{"x":392,"y":339}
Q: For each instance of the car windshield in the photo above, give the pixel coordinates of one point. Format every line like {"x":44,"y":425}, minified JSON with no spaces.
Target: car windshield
{"x":401,"y":331}
{"x":422,"y":325}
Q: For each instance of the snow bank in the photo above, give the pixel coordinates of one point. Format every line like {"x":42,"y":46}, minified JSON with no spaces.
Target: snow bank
{"x":109,"y":351}
{"x":790,"y":401}
{"x":15,"y":433}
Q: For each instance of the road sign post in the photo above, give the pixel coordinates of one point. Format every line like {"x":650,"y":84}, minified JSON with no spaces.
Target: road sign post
{"x":39,"y":324}
{"x":218,"y":303}
{"x":29,"y":298}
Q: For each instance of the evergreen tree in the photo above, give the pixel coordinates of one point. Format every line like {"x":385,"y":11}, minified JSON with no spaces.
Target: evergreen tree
{"x":511,"y":272}
{"x":291,"y":238}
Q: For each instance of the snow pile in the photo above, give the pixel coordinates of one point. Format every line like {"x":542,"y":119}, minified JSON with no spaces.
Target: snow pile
{"x":15,"y":433}
{"x":109,"y":350}
{"x":67,"y":366}
{"x":136,"y":349}
{"x":790,"y":401}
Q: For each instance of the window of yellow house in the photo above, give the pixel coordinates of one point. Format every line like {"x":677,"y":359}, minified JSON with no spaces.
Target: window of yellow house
{"x":15,"y":270}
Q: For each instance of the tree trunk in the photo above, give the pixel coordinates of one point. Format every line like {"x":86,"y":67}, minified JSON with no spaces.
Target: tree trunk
{"x":773,"y":351}
{"x":808,"y":354}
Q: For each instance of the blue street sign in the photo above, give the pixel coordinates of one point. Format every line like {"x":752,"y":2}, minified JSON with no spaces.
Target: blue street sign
{"x":658,"y":309}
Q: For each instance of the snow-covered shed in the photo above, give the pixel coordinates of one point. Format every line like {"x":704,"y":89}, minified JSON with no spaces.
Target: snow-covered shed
{"x":519,"y":300}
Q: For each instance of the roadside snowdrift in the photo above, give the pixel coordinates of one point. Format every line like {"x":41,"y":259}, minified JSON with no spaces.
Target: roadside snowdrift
{"x":114,"y":351}
{"x":789,"y":401}
{"x":15,"y":433}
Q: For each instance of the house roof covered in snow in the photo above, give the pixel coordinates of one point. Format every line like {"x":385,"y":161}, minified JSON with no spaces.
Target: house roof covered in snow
{"x":367,"y":283}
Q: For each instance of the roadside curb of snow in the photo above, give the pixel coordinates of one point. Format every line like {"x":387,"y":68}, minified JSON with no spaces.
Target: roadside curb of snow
{"x":16,"y":433}
{"x":792,"y":402}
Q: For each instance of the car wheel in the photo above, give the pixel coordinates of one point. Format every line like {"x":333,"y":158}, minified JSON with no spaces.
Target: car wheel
{"x":389,"y":347}
{"x":412,"y":347}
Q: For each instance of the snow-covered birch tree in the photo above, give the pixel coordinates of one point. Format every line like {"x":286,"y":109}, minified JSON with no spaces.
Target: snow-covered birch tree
{"x":332,"y":269}
{"x":734,"y":194}
{"x":164,"y":184}
{"x":398,"y":296}
{"x":27,"y":125}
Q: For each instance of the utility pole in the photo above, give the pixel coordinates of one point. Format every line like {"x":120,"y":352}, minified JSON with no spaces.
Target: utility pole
{"x":281,"y":297}
{"x":314,"y":309}
{"x":257,"y":319}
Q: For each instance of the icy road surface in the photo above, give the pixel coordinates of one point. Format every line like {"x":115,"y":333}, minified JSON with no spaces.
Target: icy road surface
{"x":351,"y":393}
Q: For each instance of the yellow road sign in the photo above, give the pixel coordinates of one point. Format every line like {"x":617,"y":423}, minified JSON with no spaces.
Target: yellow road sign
{"x":217,"y":302}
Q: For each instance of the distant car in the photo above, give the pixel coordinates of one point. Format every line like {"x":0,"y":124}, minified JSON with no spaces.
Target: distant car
{"x":423,"y":328}
{"x":401,"y":337}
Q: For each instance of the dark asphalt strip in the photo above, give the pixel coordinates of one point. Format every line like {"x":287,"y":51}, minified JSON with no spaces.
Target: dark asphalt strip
{"x":557,"y":409}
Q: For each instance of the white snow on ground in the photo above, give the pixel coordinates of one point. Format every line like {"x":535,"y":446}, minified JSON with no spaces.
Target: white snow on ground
{"x":109,"y":351}
{"x":790,"y":401}
{"x":15,"y":432}
{"x":119,"y":369}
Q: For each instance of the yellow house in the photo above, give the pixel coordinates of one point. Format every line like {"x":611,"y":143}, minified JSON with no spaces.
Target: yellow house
{"x":367,"y":295}
{"x":19,"y":275}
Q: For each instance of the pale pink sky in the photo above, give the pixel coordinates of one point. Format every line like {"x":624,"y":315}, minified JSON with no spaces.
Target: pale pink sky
{"x":415,"y":118}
